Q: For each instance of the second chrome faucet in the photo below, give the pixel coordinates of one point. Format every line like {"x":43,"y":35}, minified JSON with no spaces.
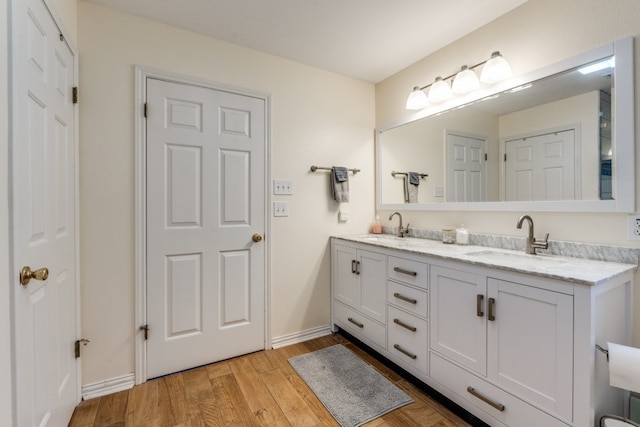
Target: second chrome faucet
{"x":401,"y":231}
{"x":532,"y":244}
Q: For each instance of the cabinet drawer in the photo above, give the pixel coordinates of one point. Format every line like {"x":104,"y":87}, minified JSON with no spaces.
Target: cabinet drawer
{"x":410,"y":299}
{"x":359,"y":325}
{"x":515,"y":413}
{"x":407,"y":341}
{"x":408,"y":271}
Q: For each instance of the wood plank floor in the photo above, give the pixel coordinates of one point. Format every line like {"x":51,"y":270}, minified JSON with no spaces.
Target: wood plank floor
{"x":259,"y":389}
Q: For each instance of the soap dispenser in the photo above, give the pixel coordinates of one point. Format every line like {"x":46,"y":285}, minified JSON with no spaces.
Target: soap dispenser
{"x":377,"y":227}
{"x":462,"y":235}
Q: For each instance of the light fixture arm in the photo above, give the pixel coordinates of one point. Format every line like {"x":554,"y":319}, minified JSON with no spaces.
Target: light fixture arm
{"x":456,"y":73}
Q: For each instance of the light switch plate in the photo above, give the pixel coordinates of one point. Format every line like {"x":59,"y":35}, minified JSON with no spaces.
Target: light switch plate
{"x":280,"y":208}
{"x":282,"y":187}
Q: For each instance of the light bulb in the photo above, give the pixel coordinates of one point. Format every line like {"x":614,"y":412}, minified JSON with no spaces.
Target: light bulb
{"x":465,"y":81}
{"x":439,"y":91}
{"x":495,"y":69}
{"x":417,"y":99}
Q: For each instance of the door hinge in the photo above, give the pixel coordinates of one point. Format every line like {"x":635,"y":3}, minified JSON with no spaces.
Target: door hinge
{"x":77,"y":346}
{"x":74,"y":94}
{"x":145,"y":328}
{"x":145,"y":109}
{"x":486,"y":157}
{"x":505,"y":157}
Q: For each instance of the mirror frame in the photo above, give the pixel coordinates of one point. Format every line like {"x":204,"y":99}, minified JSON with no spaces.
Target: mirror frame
{"x":623,"y":155}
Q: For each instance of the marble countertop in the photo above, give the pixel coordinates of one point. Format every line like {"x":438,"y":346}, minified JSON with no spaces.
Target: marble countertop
{"x":575,"y":270}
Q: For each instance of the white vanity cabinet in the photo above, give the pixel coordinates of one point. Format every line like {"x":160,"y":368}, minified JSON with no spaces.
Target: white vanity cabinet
{"x":517,"y":337}
{"x":407,"y":313}
{"x":358,"y":277}
{"x":513,"y":344}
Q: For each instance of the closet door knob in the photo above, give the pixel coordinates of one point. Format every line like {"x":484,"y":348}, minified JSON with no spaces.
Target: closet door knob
{"x":257,"y":237}
{"x":26,"y":275}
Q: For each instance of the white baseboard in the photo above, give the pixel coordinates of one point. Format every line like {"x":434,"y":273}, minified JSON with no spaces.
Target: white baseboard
{"x":102,"y":388}
{"x":125,"y":382}
{"x":302,"y":336}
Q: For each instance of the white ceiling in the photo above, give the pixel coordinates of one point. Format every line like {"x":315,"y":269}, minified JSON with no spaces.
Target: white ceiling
{"x":365,"y":39}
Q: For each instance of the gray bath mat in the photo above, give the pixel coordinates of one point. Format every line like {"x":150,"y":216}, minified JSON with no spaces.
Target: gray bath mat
{"x":352,"y":390}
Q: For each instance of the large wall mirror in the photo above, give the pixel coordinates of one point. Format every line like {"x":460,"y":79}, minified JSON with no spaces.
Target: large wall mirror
{"x":558,"y":139}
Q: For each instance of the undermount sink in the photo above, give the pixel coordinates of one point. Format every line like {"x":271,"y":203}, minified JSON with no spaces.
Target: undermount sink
{"x":381,"y":238}
{"x":496,"y":256}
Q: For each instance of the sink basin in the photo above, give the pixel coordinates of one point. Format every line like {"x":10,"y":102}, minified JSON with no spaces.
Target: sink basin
{"x":381,"y":238}
{"x":490,"y":255}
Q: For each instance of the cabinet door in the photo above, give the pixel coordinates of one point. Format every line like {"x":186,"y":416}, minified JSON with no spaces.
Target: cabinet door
{"x":458,"y":328}
{"x":345,"y":281}
{"x":372,"y":274}
{"x":530,"y":345}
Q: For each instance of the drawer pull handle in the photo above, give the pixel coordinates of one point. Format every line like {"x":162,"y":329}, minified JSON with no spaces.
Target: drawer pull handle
{"x":403,"y":271}
{"x":479,"y":301}
{"x":492,"y":309}
{"x":403,"y":298}
{"x":357,"y":267}
{"x":358,"y":324}
{"x":353,"y":266}
{"x":498,"y":406}
{"x":404,"y":325}
{"x":405,"y":352}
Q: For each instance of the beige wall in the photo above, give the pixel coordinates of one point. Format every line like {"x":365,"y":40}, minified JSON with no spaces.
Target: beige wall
{"x":536,"y":34}
{"x":317,"y":118}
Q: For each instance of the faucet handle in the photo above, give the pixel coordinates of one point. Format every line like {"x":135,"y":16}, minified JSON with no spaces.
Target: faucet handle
{"x":406,"y":230}
{"x":546,"y":238}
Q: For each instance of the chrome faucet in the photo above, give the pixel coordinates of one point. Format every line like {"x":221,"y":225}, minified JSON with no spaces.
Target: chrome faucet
{"x":401,"y":231}
{"x":532,"y":243}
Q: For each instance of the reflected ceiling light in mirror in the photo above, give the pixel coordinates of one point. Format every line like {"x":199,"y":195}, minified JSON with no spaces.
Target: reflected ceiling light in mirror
{"x":439,"y":91}
{"x":600,"y":65}
{"x":519,"y":88}
{"x":495,"y":69}
{"x":465,"y":81}
{"x":417,"y":99}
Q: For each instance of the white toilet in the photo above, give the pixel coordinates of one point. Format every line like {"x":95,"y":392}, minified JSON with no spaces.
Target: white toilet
{"x":616,"y":421}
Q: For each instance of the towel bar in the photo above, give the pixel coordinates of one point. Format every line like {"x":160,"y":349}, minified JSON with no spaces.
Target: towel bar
{"x":315,"y":168}
{"x":422,"y":175}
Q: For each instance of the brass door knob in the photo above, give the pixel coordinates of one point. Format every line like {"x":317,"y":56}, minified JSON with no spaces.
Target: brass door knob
{"x":257,"y":237}
{"x":26,"y":275}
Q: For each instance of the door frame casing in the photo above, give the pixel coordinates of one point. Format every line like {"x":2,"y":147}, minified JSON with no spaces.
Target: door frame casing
{"x":141,"y":75}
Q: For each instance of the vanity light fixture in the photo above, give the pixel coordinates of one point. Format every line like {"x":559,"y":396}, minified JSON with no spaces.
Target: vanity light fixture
{"x":465,"y":81}
{"x":439,"y":91}
{"x":417,"y":99}
{"x":495,"y":69}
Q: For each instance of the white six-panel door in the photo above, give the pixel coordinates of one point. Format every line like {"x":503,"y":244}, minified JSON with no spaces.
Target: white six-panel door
{"x":43,"y":218}
{"x":541,"y":167}
{"x":205,"y":206}
{"x":466,"y":180}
